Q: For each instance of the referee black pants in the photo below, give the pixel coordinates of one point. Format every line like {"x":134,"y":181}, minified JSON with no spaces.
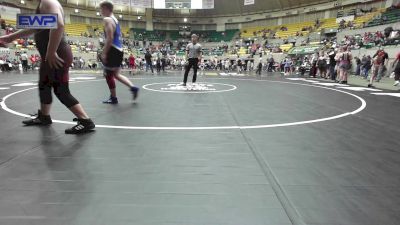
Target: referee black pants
{"x":193,"y":62}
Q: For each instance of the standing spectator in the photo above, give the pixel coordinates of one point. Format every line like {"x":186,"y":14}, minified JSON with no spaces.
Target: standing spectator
{"x":131,"y":62}
{"x":344,"y":58}
{"x":139,"y":63}
{"x":158,"y":65}
{"x":149,"y":63}
{"x":239,"y":66}
{"x":227,"y":65}
{"x":396,"y":66}
{"x":313,"y":70}
{"x":82,"y":63}
{"x":37,"y":59}
{"x":322,"y":65}
{"x":24,"y":61}
{"x":358,"y":66}
{"x":163,"y":63}
{"x":183,"y":64}
{"x":380,"y":61}
{"x":288,"y":65}
{"x":366,"y":64}
{"x":332,"y":65}
{"x":33,"y":61}
{"x":271,"y":63}
{"x":259,"y":67}
{"x":282,"y":66}
{"x":248,"y":66}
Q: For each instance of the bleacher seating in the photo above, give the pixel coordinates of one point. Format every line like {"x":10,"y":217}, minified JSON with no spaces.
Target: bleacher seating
{"x":10,"y":22}
{"x":392,"y":16}
{"x":209,"y":52}
{"x":293,"y":28}
{"x":242,"y":51}
{"x":140,"y":34}
{"x":286,"y":47}
{"x":215,"y":36}
{"x":174,"y":35}
{"x":329,"y":23}
{"x":76,"y":29}
{"x":253,"y":32}
{"x":359,"y":21}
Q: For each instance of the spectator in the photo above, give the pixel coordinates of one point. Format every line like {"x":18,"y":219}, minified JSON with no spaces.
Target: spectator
{"x":322,"y":65}
{"x":158,"y":65}
{"x":396,"y":66}
{"x":33,"y":61}
{"x":358,"y":66}
{"x":149,"y":63}
{"x":131,"y":62}
{"x":313,"y":70}
{"x":380,"y":61}
{"x":24,"y":61}
{"x":259,"y":67}
{"x":332,"y":65}
{"x":344,"y":58}
{"x":287,"y":66}
{"x":366,"y":65}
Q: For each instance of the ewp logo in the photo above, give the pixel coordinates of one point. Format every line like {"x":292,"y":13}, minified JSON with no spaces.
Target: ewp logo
{"x":37,"y":21}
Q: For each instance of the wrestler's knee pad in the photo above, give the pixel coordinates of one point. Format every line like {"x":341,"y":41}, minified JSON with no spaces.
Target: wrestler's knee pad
{"x":64,"y":95}
{"x":45,"y":93}
{"x":109,"y":75}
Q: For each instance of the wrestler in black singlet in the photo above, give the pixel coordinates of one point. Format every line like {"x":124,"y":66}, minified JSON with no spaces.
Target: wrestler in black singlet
{"x":58,"y":79}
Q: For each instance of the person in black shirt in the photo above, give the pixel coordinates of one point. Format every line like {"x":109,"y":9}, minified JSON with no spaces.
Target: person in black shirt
{"x":149,"y":62}
{"x":332,"y":65}
{"x":163,"y":63}
{"x":158,"y":65}
{"x":358,"y":68}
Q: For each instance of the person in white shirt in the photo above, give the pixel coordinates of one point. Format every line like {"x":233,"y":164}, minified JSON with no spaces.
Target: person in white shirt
{"x":24,"y":61}
{"x":227,"y":65}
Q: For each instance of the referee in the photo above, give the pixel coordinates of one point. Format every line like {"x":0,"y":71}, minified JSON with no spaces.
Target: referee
{"x":193,"y":54}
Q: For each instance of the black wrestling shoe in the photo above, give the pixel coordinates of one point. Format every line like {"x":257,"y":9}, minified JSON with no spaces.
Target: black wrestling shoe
{"x":83,"y":126}
{"x":111,"y":101}
{"x":135,"y":92}
{"x":39,"y":120}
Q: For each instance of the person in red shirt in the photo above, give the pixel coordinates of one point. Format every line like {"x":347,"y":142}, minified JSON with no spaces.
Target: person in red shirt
{"x":380,"y":60}
{"x":33,"y":61}
{"x":131,"y":63}
{"x":396,"y":66}
{"x":37,"y":58}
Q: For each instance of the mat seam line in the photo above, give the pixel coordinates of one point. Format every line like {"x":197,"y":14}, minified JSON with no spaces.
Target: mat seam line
{"x":287,"y":205}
